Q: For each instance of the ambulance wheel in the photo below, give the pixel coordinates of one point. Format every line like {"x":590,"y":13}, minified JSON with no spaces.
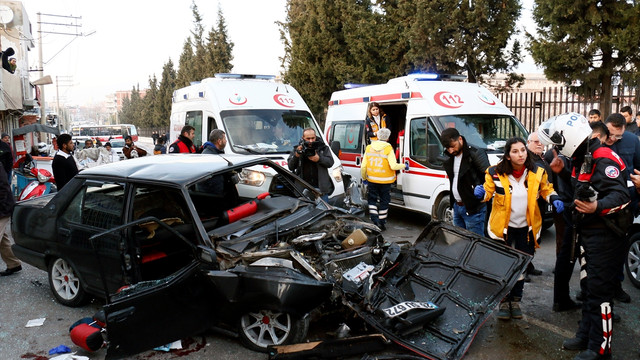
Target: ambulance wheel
{"x":444,"y":211}
{"x":65,"y":283}
{"x":264,"y":328}
{"x":632,"y":262}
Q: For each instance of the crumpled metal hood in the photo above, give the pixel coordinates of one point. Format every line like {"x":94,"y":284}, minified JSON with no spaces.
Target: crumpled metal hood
{"x":455,"y":269}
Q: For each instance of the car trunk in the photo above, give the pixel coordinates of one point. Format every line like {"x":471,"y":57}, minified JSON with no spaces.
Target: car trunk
{"x":455,"y":269}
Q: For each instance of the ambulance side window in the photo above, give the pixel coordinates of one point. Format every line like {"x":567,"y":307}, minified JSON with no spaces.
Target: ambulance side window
{"x":424,"y":143}
{"x":194,"y":118}
{"x":211,"y":125}
{"x":350,"y":135}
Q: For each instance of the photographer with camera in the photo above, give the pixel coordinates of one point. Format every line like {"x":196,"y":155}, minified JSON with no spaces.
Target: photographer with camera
{"x":601,"y":221}
{"x":311,"y":160}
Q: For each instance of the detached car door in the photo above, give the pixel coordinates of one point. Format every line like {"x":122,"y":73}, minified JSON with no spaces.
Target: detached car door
{"x":157,"y":312}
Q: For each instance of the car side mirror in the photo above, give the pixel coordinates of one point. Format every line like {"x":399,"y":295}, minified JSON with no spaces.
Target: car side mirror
{"x":335,"y":147}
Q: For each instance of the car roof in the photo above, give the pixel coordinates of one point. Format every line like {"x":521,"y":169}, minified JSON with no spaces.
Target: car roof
{"x":173,"y":168}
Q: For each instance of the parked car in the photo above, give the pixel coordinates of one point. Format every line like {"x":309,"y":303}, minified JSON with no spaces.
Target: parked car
{"x":180,"y":243}
{"x":117,"y":145}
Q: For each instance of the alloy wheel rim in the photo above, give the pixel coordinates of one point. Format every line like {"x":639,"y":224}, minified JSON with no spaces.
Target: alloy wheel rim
{"x":65,"y":281}
{"x":266,"y":328}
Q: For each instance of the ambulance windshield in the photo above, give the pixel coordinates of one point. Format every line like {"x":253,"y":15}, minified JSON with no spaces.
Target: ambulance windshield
{"x":484,"y":131}
{"x":266,"y":131}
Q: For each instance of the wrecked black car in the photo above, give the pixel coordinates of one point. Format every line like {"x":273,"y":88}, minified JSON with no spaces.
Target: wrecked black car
{"x":178,"y":244}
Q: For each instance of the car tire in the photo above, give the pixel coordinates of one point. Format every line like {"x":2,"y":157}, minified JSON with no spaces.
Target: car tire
{"x":65,"y":283}
{"x":632,"y":263}
{"x":261,"y":329}
{"x":444,"y":211}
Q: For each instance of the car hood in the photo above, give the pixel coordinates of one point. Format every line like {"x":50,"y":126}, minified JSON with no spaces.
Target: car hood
{"x":455,"y":269}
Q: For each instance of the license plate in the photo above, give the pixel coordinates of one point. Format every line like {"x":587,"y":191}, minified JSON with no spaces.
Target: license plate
{"x":403,"y":307}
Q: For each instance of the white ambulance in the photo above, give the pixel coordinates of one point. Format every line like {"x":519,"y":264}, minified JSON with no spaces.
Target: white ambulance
{"x":259,"y":116}
{"x":418,"y":108}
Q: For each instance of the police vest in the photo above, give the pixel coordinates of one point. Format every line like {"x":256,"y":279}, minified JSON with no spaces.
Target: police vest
{"x":378,"y":169}
{"x":601,"y":152}
{"x":375,"y":127}
{"x":183,"y":147}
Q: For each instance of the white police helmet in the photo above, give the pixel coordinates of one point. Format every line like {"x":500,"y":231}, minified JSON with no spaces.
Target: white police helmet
{"x":566,"y":131}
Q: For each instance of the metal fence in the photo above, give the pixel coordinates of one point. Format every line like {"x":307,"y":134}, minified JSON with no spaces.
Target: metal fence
{"x":533,"y":108}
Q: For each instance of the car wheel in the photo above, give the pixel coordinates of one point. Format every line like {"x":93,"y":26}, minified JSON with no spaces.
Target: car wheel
{"x":633,"y":260}
{"x":444,"y":211}
{"x":264,"y":328}
{"x":65,"y":283}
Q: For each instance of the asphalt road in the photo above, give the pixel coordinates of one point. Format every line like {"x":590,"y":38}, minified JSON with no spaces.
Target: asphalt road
{"x":26,"y":295}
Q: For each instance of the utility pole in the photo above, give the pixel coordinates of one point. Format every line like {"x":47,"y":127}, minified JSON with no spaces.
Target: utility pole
{"x":43,"y":115}
{"x":76,"y":34}
{"x":66,"y":81}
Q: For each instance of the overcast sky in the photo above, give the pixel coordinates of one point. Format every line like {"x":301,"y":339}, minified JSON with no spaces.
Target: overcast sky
{"x":126,"y":42}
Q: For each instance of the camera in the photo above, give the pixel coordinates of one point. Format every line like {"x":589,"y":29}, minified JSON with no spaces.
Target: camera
{"x":306,"y":150}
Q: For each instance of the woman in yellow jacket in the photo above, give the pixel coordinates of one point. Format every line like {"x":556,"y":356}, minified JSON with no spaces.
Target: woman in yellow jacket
{"x":515,"y":184}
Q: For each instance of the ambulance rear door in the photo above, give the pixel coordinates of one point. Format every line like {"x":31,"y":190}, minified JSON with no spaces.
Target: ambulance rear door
{"x":346,"y":125}
{"x":425,"y":178}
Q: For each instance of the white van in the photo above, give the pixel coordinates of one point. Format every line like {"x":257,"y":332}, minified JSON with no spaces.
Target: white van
{"x":418,"y":108}
{"x":258,"y":115}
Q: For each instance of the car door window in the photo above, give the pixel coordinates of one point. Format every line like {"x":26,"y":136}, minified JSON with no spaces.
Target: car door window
{"x":424,"y":143}
{"x":160,"y":251}
{"x":97,"y":205}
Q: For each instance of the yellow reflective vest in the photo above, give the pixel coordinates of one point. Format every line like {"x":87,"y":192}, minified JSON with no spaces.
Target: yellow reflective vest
{"x":379,"y":164}
{"x":375,"y":128}
{"x":498,"y":187}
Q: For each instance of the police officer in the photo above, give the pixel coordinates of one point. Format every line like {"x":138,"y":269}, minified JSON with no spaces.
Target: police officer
{"x":601,"y":205}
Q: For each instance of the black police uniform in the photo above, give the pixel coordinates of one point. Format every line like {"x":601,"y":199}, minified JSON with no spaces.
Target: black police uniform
{"x":602,"y":242}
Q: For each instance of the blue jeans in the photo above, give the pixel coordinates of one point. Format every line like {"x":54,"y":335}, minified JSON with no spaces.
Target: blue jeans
{"x":473,"y":222}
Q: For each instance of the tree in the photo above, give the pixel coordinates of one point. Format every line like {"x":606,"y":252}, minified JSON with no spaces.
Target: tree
{"x":165,"y":96}
{"x":148,"y":104}
{"x":186,"y":71}
{"x":586,"y":44}
{"x":219,"y":48}
{"x":477,"y":41}
{"x":200,"y":51}
{"x":328,"y":44}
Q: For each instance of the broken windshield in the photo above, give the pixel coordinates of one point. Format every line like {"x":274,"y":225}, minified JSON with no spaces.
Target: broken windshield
{"x":265,"y":131}
{"x":485,"y":131}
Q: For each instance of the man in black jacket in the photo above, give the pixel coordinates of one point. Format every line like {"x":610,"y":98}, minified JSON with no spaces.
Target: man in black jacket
{"x":465,"y":168}
{"x":311,"y":160}
{"x":64,"y":165}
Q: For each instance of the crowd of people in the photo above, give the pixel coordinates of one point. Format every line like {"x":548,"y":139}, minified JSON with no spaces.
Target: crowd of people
{"x":589,"y":174}
{"x":590,"y":167}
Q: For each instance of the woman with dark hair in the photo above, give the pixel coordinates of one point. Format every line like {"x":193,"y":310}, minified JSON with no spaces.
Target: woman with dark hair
{"x":376,"y":120}
{"x":515,"y":184}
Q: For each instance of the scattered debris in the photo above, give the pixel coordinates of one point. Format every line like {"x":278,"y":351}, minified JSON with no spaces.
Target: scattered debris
{"x":60,"y":349}
{"x":35,"y":322}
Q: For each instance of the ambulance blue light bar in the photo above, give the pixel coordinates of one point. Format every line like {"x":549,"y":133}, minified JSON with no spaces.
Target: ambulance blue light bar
{"x":423,"y":76}
{"x":353,"y":86}
{"x":433,"y":76}
{"x":244,"y":76}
